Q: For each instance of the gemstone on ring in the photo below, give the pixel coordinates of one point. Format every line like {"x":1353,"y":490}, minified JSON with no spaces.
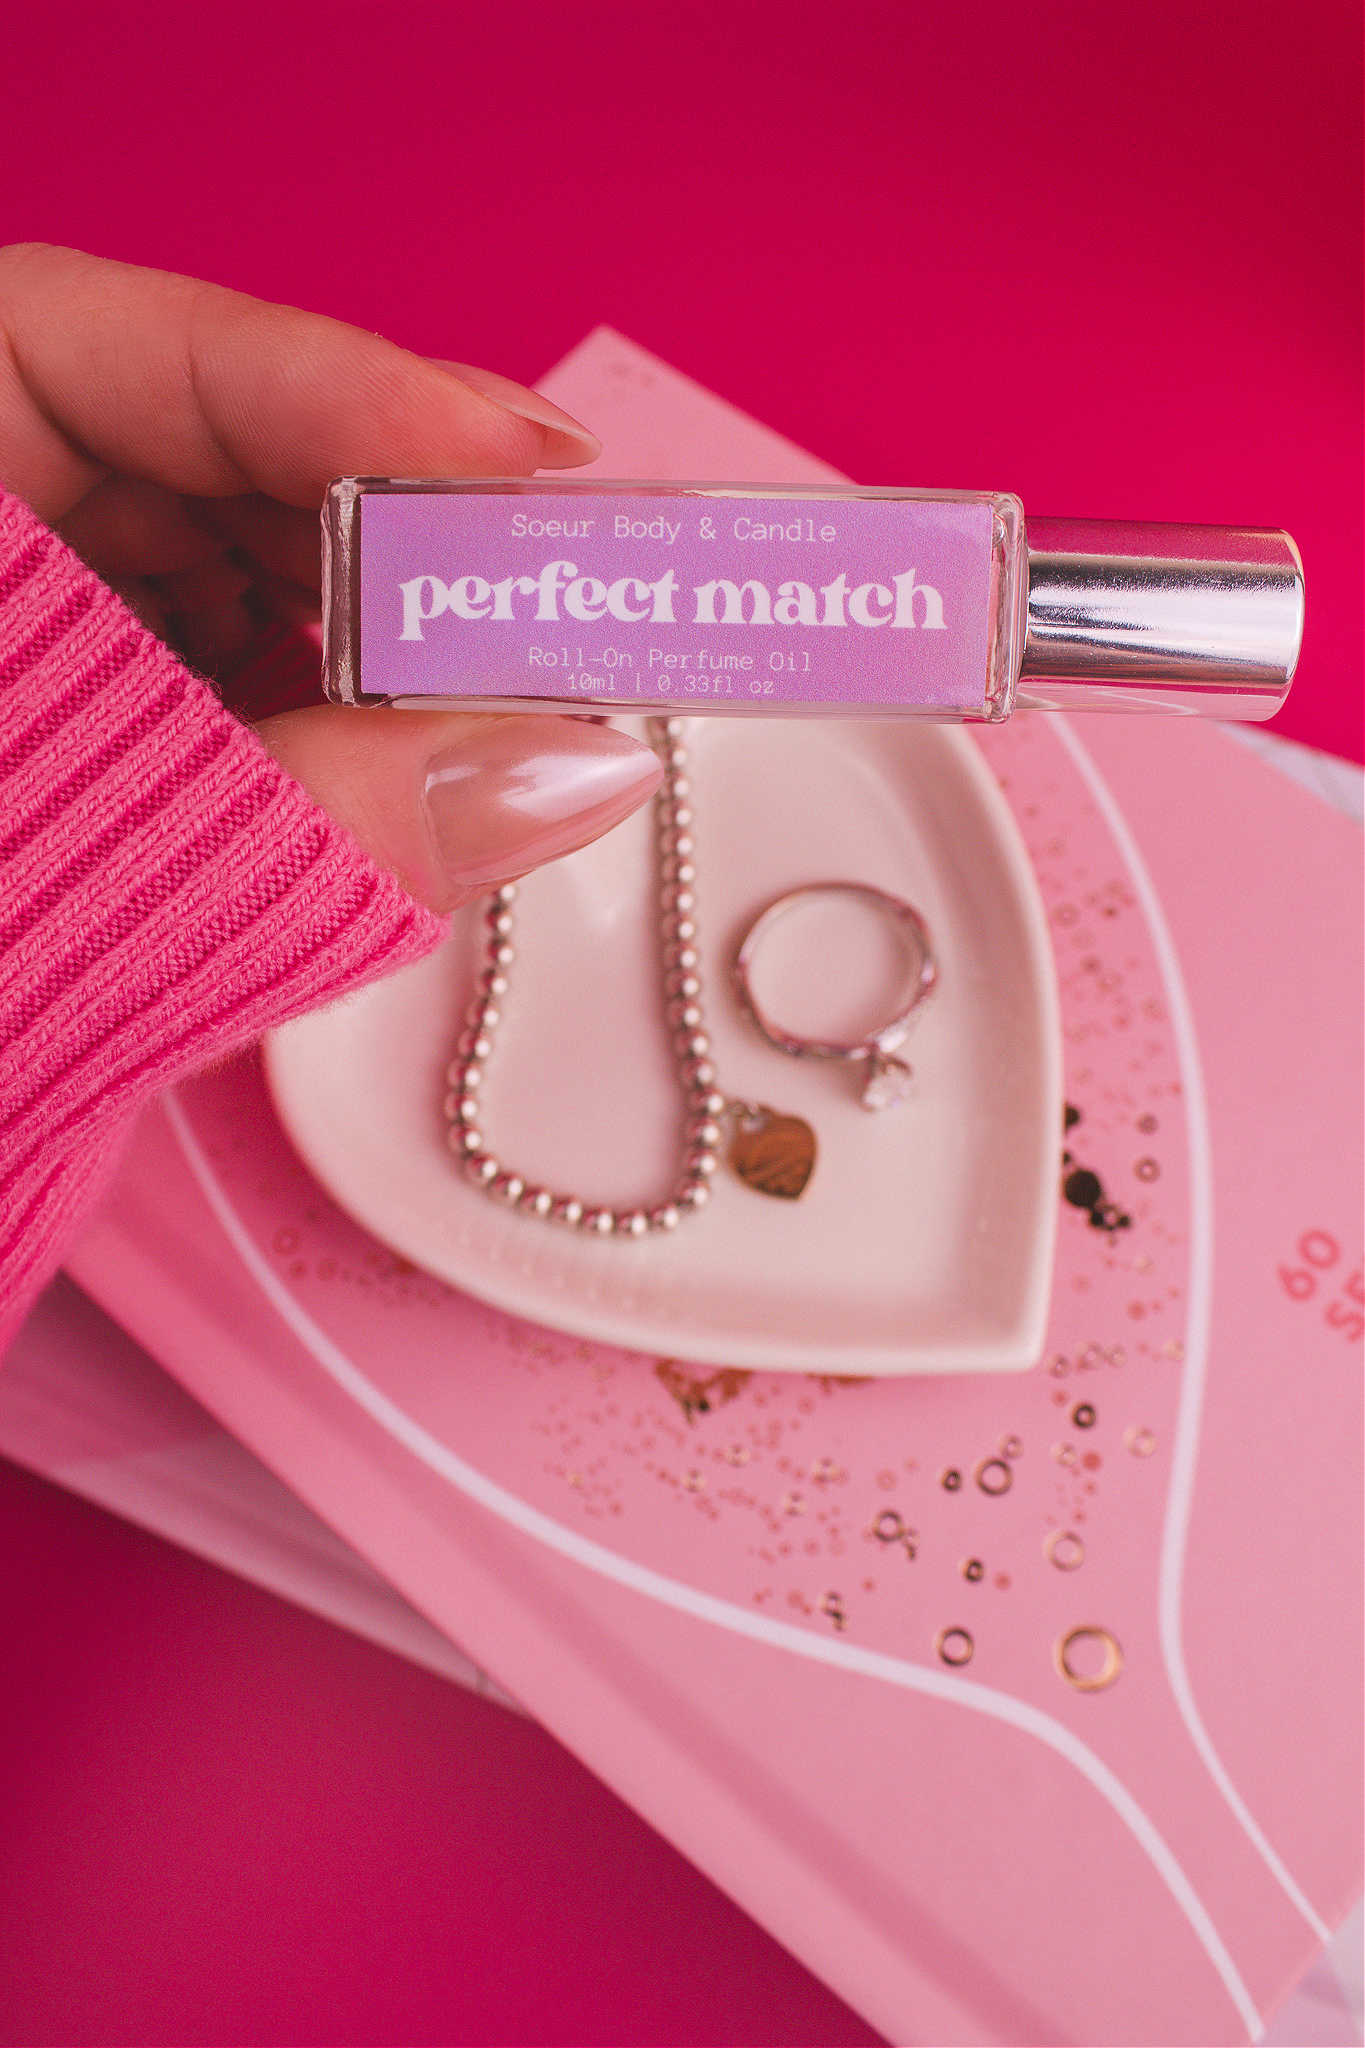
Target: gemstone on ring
{"x":887,"y":1083}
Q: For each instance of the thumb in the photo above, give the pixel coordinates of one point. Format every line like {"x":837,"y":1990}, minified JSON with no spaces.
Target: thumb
{"x":454,"y":804}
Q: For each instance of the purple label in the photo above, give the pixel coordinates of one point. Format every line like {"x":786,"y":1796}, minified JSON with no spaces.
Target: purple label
{"x":660,"y":599}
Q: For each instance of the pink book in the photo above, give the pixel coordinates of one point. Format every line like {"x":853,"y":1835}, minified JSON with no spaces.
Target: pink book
{"x":1132,"y":1815}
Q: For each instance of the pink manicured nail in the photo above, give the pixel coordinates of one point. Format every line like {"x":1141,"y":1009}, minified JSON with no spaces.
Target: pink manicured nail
{"x":518,"y":791}
{"x":570,"y":443}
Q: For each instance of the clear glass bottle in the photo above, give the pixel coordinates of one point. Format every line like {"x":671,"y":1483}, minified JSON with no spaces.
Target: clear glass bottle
{"x":523,"y":594}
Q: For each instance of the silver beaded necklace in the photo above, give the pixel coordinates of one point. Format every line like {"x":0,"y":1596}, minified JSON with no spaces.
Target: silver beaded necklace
{"x":770,"y":1152}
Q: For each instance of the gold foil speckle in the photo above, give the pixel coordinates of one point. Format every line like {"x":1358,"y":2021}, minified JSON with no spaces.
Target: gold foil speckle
{"x":994,"y":1476}
{"x":891,"y":1527}
{"x":699,"y":1393}
{"x":1065,"y":1549}
{"x":1073,"y":1651}
{"x":955,"y":1646}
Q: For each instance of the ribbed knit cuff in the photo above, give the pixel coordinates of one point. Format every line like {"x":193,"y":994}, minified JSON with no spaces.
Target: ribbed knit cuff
{"x":167,"y":892}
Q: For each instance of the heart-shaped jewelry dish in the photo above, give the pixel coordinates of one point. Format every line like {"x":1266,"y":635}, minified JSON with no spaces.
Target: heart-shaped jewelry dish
{"x":924,"y":1239}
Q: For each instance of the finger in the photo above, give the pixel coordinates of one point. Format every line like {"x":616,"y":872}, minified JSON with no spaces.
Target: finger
{"x":205,"y":585}
{"x":216,"y":637}
{"x":455,"y":804}
{"x":126,"y":527}
{"x":280,"y":599}
{"x":284,"y":539}
{"x":224,"y":616}
{"x":207,"y":391}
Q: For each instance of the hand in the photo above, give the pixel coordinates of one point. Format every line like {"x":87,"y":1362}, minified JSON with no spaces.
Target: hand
{"x":181,"y":436}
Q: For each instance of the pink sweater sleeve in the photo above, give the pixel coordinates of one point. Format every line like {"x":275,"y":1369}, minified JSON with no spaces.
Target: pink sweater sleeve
{"x":167,"y":892}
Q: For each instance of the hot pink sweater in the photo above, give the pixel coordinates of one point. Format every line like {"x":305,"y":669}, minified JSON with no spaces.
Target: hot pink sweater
{"x":167,"y":892}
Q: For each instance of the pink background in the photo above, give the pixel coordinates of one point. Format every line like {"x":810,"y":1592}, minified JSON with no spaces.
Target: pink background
{"x":1109,"y":261}
{"x":1106,"y":257}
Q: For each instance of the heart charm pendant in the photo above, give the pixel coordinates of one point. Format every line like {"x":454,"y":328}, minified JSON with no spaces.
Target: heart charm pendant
{"x":774,"y":1154}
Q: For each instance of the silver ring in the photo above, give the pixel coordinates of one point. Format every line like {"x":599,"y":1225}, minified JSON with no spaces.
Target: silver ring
{"x":887,"y":1077}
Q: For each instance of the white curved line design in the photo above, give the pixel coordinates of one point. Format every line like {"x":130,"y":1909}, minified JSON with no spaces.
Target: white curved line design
{"x":596,"y":1557}
{"x":1185,"y":1454}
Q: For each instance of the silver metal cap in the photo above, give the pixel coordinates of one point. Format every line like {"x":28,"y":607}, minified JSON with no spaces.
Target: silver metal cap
{"x":1170,"y":618}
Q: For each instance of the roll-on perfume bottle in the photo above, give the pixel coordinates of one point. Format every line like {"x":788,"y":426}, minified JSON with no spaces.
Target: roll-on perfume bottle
{"x":523,"y":594}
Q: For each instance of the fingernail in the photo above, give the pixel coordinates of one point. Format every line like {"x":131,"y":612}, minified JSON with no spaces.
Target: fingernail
{"x":514,"y":792}
{"x":570,"y":442}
